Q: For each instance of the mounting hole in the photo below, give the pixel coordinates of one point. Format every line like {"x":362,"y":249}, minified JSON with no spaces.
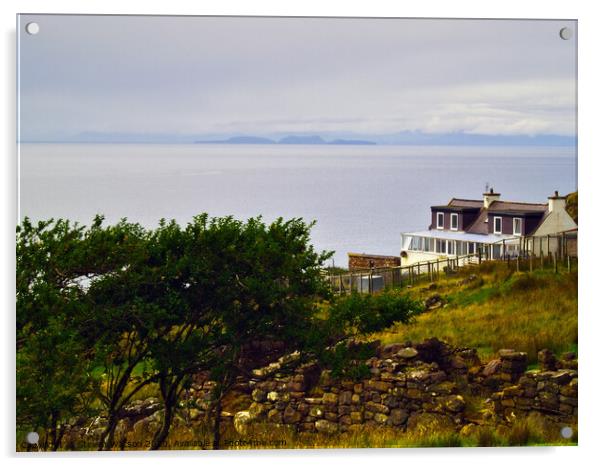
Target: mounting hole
{"x":32,"y":438}
{"x":566,"y":432}
{"x":32,"y":28}
{"x":566,"y":33}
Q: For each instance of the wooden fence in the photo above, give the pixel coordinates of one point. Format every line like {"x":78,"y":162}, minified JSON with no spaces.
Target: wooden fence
{"x":552,"y":251}
{"x":376,"y":279}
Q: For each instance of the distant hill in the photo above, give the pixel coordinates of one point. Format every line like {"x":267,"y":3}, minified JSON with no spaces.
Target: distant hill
{"x":302,"y":140}
{"x":313,"y":139}
{"x":418,"y":138}
{"x":240,"y":140}
{"x":352,"y":142}
{"x":402,"y":138}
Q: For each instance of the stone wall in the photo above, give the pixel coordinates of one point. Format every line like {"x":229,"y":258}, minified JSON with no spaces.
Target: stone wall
{"x":411,"y":383}
{"x":368,"y":261}
{"x":410,"y":386}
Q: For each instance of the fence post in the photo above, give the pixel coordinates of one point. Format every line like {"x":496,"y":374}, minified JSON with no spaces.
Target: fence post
{"x":568,"y":262}
{"x":518,"y":263}
{"x":530,"y":262}
{"x":555,"y":261}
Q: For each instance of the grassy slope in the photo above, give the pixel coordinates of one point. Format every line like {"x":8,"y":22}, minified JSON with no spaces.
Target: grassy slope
{"x":499,"y":309}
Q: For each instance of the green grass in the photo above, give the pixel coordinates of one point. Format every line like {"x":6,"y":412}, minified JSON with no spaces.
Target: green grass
{"x":500,"y":308}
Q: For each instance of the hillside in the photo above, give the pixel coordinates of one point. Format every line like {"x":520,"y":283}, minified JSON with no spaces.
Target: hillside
{"x":492,"y":307}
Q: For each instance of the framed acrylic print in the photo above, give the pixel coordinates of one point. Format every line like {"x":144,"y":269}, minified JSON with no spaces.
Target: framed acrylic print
{"x":286,"y":232}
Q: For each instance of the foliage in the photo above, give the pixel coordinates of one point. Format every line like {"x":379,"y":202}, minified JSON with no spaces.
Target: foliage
{"x":152,"y":307}
{"x":572,"y":204}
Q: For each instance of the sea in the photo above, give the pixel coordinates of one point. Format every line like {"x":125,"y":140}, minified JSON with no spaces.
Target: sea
{"x":361,"y":197}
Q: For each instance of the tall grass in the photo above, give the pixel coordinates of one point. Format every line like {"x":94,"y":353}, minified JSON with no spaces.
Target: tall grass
{"x":500,"y":308}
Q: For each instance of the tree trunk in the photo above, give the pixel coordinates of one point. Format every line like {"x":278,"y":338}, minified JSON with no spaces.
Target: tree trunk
{"x":59,"y":438}
{"x":161,"y":435}
{"x":217,"y":423}
{"x":108,"y":436}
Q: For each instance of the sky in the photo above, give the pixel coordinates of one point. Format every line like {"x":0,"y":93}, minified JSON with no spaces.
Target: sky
{"x":217,"y":76}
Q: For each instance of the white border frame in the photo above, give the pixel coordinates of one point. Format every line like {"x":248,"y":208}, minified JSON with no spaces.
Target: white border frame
{"x":590,"y":144}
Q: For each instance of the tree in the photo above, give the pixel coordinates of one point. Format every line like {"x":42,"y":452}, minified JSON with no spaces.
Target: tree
{"x":154,"y":307}
{"x":56,"y":261}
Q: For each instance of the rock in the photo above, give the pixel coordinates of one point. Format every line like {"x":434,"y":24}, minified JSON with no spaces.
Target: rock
{"x":407,"y":353}
{"x":316,"y":411}
{"x":345,"y":398}
{"x":326,"y":427}
{"x":547,"y":360}
{"x":291,"y":416}
{"x":398,"y":417}
{"x":256,"y":410}
{"x":492,"y":367}
{"x":455,"y":403}
{"x":458,"y":363}
{"x":381,"y":418}
{"x":275,"y":416}
{"x":378,"y":385}
{"x":376,"y":407}
{"x":433,"y":302}
{"x":330,"y":398}
{"x":242,"y":419}
{"x":273,"y":396}
{"x":561,"y":378}
{"x":258,"y":395}
{"x":389,"y":350}
{"x":512,"y":355}
{"x":356,"y":417}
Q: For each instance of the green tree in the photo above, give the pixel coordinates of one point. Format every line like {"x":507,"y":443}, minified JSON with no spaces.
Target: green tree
{"x":56,"y":261}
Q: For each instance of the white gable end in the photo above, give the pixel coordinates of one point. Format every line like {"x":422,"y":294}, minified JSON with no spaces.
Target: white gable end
{"x":555,"y":222}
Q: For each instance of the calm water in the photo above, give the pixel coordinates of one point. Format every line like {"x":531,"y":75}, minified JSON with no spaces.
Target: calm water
{"x":362,"y":197}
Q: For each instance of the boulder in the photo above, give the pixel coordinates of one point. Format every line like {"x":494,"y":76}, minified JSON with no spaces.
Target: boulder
{"x":492,"y":367}
{"x":398,"y":417}
{"x":242,"y":419}
{"x":433,"y":302}
{"x":326,"y":427}
{"x":407,"y":353}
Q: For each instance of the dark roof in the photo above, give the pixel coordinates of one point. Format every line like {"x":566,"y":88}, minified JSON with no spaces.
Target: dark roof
{"x":465,"y":203}
{"x":497,"y":206}
{"x":479,"y":225}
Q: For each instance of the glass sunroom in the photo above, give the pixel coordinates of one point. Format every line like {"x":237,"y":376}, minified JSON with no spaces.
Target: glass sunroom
{"x":452,"y":243}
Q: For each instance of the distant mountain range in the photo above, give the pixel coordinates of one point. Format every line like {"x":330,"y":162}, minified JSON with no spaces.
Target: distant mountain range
{"x":287,"y":140}
{"x":403,"y":138}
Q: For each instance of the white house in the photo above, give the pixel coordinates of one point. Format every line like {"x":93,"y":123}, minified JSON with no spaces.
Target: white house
{"x":494,"y":227}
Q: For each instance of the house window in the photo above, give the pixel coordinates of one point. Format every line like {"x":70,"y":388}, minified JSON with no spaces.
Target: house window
{"x":454,"y":221}
{"x":517,"y":226}
{"x":440,"y":220}
{"x":497,"y":225}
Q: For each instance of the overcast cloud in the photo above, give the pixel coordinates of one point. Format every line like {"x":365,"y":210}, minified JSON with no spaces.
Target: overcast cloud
{"x":266,"y":76}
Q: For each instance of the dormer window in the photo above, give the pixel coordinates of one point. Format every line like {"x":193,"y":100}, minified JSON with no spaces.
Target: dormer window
{"x":453,"y":222}
{"x":439,"y":220}
{"x":517,"y":226}
{"x":497,"y":225}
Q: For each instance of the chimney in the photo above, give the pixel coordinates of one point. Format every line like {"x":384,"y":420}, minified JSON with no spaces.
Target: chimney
{"x":489,"y":198}
{"x":556,"y":202}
